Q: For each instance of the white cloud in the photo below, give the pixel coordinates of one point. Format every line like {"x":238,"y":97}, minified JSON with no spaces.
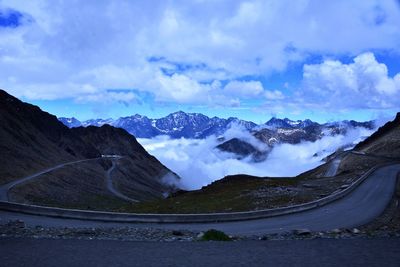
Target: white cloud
{"x":245,"y":89}
{"x":181,"y":89}
{"x":364,"y":83}
{"x":109,"y":97}
{"x":52,"y":91}
{"x":107,"y":45}
{"x":198,"y":163}
{"x":247,"y":14}
{"x":238,"y":131}
{"x":274,"y":95}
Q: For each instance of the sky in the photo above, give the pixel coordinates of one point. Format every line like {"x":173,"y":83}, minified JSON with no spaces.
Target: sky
{"x":323,"y":60}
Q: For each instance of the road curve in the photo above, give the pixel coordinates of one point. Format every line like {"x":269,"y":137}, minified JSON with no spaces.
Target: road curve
{"x":4,"y":189}
{"x":110,"y":185}
{"x":362,"y":205}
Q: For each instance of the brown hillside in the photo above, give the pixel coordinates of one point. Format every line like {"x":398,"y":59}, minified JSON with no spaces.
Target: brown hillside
{"x":385,"y":141}
{"x":32,"y":140}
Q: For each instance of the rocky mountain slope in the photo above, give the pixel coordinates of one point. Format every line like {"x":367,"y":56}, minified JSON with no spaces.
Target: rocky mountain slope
{"x":32,"y":140}
{"x":138,"y":173}
{"x":242,"y":149}
{"x":385,"y":141}
{"x":285,"y":131}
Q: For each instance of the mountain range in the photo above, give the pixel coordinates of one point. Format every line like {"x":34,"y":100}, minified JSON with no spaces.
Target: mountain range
{"x":175,"y":125}
{"x":199,"y":126}
{"x":32,"y":140}
{"x":285,"y":131}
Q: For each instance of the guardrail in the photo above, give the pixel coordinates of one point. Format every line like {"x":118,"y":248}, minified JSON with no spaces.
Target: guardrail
{"x":183,"y":218}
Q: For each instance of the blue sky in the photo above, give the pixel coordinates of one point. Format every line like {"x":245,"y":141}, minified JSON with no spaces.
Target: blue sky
{"x":323,"y":60}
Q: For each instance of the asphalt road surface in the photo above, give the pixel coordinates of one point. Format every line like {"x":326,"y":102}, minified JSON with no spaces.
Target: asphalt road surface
{"x":362,"y":205}
{"x":333,"y":167}
{"x":17,"y":252}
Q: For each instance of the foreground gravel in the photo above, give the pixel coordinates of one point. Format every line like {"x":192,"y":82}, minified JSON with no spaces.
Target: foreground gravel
{"x":19,"y":229}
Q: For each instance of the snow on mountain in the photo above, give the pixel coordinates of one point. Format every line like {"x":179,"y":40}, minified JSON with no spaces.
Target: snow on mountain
{"x":285,"y":131}
{"x":70,"y":122}
{"x":97,"y":122}
{"x":175,"y":125}
{"x":196,"y":125}
{"x":287,"y":123}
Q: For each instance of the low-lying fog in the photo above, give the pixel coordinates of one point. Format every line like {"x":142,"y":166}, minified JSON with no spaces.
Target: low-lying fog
{"x":199,"y":163}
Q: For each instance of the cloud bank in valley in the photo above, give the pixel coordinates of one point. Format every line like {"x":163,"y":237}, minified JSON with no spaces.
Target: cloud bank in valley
{"x":199,"y":163}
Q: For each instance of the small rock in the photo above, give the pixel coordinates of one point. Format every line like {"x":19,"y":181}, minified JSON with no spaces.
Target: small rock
{"x":302,"y":232}
{"x":86,"y":232}
{"x":356,"y":231}
{"x":200,"y":235}
{"x":39,"y":228}
{"x":336,"y":231}
{"x":344,"y":186}
{"x":177,"y":233}
{"x":309,"y":186}
{"x":17,"y":224}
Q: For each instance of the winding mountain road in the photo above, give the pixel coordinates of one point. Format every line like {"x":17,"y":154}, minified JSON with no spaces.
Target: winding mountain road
{"x":335,"y":163}
{"x":4,"y":189}
{"x":360,"y":206}
{"x":333,"y":167}
{"x":110,"y":185}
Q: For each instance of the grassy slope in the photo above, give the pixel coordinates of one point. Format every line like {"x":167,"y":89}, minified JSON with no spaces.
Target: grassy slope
{"x":242,"y":193}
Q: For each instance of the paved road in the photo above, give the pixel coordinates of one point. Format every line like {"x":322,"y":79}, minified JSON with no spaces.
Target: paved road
{"x":319,"y":252}
{"x":333,"y":167}
{"x":110,"y":185}
{"x":4,"y":189}
{"x":362,"y":205}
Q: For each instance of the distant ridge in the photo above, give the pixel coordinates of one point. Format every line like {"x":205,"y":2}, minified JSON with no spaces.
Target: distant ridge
{"x":176,"y":125}
{"x":196,"y":125}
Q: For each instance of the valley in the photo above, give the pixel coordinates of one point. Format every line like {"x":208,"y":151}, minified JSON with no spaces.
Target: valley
{"x":200,"y":133}
{"x":33,"y":141}
{"x":121,"y":176}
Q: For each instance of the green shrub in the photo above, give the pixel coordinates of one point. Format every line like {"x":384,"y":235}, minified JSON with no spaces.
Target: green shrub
{"x":215,"y":235}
